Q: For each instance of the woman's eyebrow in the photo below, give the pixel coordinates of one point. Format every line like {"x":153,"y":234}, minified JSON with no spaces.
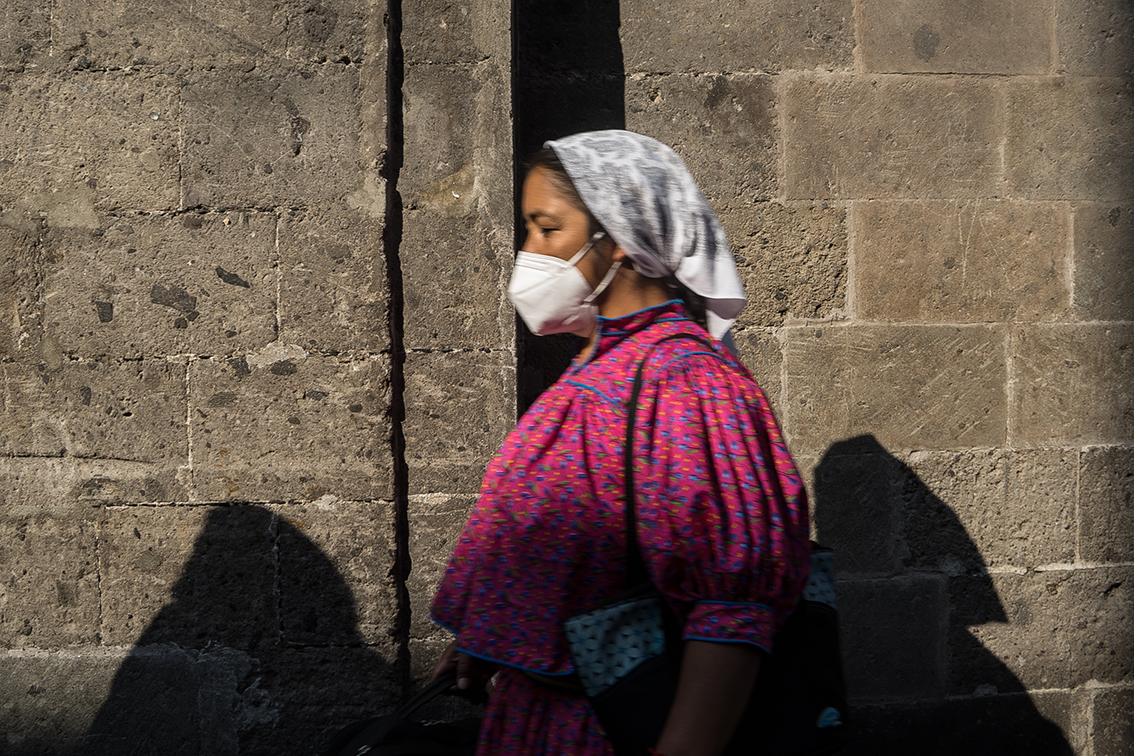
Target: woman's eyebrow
{"x":542,"y":214}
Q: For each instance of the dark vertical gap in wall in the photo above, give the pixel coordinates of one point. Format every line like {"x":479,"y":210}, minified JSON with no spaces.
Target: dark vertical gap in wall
{"x":569,"y":77}
{"x":391,"y":245}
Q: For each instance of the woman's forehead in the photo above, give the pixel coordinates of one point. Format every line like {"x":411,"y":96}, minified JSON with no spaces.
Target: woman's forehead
{"x":541,"y":196}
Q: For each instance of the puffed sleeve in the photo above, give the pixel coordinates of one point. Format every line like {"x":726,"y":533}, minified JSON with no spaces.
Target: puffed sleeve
{"x":722,"y":512}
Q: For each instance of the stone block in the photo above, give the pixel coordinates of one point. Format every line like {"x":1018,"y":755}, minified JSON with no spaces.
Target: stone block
{"x":459,"y":406}
{"x":892,"y":633}
{"x":333,"y":291}
{"x":284,"y":425}
{"x":50,"y":583}
{"x":73,"y":148}
{"x":1087,"y":152}
{"x":910,"y":36}
{"x":67,"y":486}
{"x":761,"y":353}
{"x":189,"y":576}
{"x":913,"y":387}
{"x":186,"y":35}
{"x":1113,"y":722}
{"x":1094,"y":39}
{"x":439,"y":111}
{"x":1106,"y":517}
{"x":890,"y":137}
{"x":435,"y":523}
{"x":1072,"y":384}
{"x":272,"y":138}
{"x":336,"y":561}
{"x":961,"y":261}
{"x":1099,"y":635}
{"x":1104,"y":261}
{"x":792,"y":260}
{"x":1008,"y":632}
{"x":454,"y":283}
{"x":856,"y":496}
{"x":764,"y":35}
{"x":152,"y":287}
{"x":126,"y":411}
{"x":1056,"y":629}
{"x":724,"y":127}
{"x":21,"y":310}
{"x":51,"y":698}
{"x":975,"y":510}
{"x":25,"y":34}
{"x":456,"y":31}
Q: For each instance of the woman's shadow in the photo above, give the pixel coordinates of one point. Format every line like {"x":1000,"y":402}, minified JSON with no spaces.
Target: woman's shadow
{"x":911,"y":583}
{"x":256,"y":651}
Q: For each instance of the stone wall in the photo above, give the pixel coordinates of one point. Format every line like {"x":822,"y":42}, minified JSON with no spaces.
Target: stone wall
{"x":255,"y":351}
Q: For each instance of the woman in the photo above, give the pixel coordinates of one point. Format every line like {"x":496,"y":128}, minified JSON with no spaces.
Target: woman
{"x":623,"y":250}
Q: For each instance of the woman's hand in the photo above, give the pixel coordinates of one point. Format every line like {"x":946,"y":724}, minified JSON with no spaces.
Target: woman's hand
{"x":472,"y":674}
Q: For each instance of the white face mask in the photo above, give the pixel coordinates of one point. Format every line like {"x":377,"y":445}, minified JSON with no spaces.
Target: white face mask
{"x":552,"y":296}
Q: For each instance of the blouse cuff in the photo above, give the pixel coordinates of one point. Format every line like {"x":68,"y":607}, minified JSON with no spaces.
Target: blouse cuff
{"x":730,"y":622}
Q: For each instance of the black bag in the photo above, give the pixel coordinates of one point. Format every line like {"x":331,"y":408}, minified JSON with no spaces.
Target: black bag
{"x":627,"y":655}
{"x":395,"y":735}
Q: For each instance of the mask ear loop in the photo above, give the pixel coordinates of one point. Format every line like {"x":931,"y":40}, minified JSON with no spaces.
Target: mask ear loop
{"x":586,"y":248}
{"x":603,"y":283}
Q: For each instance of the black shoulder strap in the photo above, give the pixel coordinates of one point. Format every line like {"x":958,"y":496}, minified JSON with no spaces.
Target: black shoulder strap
{"x":635,"y":566}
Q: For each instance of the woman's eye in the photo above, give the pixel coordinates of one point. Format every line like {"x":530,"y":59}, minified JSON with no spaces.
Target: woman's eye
{"x":547,"y":231}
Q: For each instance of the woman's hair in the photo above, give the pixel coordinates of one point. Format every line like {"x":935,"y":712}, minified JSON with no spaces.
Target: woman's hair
{"x":557,"y":174}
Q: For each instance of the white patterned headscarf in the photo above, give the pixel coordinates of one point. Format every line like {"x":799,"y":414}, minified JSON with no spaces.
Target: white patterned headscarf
{"x":643,"y":195}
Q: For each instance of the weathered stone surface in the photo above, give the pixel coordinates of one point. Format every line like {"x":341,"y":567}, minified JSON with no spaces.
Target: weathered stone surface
{"x":892,"y":635}
{"x":895,"y":137}
{"x":1008,"y":633}
{"x":1072,"y":384}
{"x":913,"y":387}
{"x":1041,"y":630}
{"x":724,"y":127}
{"x":190,"y":576}
{"x":76,"y":147}
{"x":990,"y":509}
{"x":20,"y":309}
{"x":972,"y":37}
{"x":25,"y":33}
{"x":459,"y":405}
{"x":1114,"y":722}
{"x":335,"y":575}
{"x":50,"y":583}
{"x":128,"y":411}
{"x":1095,"y":39}
{"x":439,"y":110}
{"x":760,"y":351}
{"x":1106,"y":495}
{"x":1087,"y":152}
{"x":270,"y":139}
{"x":792,"y":260}
{"x":186,"y":34}
{"x":281,"y":424}
{"x":435,"y":524}
{"x":51,"y":698}
{"x":961,"y":261}
{"x":66,"y":486}
{"x":454,"y":283}
{"x":333,"y":288}
{"x":763,"y":35}
{"x":1104,"y":262}
{"x":204,"y":284}
{"x":455,"y":31}
{"x":856,"y":496}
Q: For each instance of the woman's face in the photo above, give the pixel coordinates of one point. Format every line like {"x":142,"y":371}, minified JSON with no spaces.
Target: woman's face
{"x":556,"y":227}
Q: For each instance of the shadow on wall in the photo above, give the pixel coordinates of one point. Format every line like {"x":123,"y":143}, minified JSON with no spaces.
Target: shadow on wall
{"x":248,"y":656}
{"x":911,"y":583}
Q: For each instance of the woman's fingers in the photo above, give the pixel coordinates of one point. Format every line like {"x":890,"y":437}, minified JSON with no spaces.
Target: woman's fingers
{"x":448,"y":662}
